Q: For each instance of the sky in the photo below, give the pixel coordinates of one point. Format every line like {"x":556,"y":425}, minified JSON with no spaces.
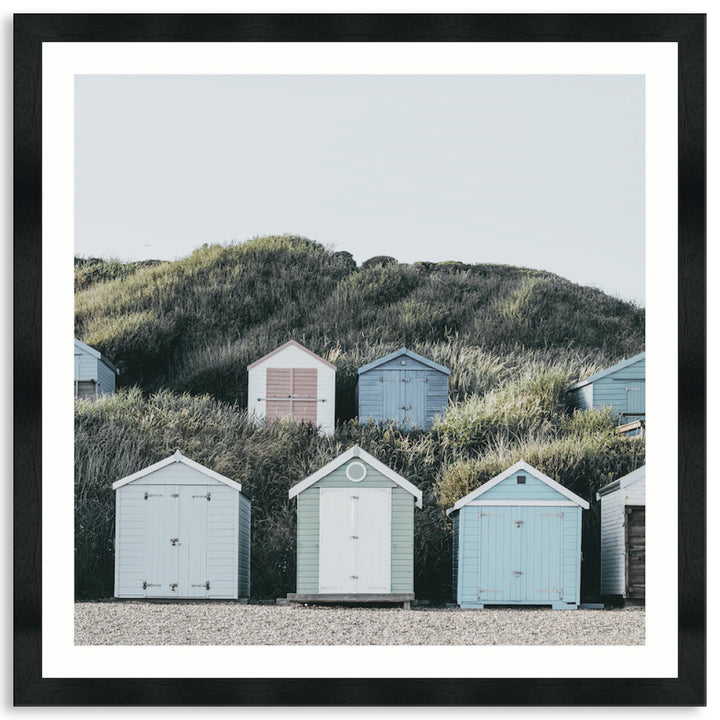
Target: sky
{"x":540,"y":171}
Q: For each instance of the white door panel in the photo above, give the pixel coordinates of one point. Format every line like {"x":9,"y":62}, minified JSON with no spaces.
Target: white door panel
{"x":338,"y":548}
{"x":373,"y":532}
{"x":354,"y":540}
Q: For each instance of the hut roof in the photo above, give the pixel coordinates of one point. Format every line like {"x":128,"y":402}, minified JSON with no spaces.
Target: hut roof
{"x":622,"y":482}
{"x":609,"y":371}
{"x":357,"y":452}
{"x":290,"y":343}
{"x":409,"y":353}
{"x":177,"y":457}
{"x":520,"y":465}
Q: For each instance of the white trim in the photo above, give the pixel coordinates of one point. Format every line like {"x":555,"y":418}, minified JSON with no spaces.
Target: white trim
{"x":363,"y":468}
{"x":178,"y":457}
{"x":357,"y":452}
{"x":520,"y":465}
{"x":523,"y":503}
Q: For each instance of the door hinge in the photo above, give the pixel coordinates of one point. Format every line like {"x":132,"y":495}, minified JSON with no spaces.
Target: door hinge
{"x":149,"y":495}
{"x":354,"y":577}
{"x":354,"y":537}
{"x":558,"y":591}
{"x":146,"y":585}
{"x":558,"y":514}
{"x":481,"y":514}
{"x":206,"y":496}
{"x":206,"y":585}
{"x":175,"y":495}
{"x":354,"y":497}
{"x":486,"y":590}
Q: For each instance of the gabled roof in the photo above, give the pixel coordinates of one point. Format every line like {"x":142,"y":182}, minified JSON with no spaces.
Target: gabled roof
{"x":622,"y":482}
{"x":289,"y":343}
{"x":397,"y":353}
{"x":520,"y":465}
{"x":366,"y":457}
{"x":177,"y":457}
{"x":95,"y":353}
{"x":609,"y":371}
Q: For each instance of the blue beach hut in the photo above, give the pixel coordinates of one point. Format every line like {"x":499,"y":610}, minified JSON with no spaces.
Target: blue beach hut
{"x":517,"y":541}
{"x":403,"y":387}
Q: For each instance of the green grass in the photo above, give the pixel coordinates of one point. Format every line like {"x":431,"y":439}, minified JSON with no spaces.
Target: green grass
{"x":183,"y":333}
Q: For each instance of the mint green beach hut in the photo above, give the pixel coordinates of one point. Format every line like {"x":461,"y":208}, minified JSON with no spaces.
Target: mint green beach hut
{"x":355,"y":528}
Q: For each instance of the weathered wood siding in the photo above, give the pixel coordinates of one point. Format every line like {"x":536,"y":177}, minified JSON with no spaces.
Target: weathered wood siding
{"x":294,"y":357}
{"x":382,"y":391}
{"x":220,"y":535}
{"x":635,"y":548}
{"x":308,"y":529}
{"x":455,"y":553}
{"x":612,"y":535}
{"x":244,"y":523}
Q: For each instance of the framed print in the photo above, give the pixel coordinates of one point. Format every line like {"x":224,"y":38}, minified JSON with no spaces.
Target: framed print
{"x":361,"y":306}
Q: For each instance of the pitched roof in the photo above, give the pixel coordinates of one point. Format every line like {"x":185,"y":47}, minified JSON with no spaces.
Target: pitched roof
{"x":366,"y":457}
{"x":290,"y":343}
{"x":520,"y":465}
{"x":622,"y":482}
{"x":95,"y":353}
{"x":409,"y":353}
{"x":177,"y":457}
{"x":609,"y":371}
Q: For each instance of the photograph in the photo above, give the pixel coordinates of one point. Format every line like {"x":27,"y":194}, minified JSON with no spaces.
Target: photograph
{"x":366,"y":312}
{"x":360,"y":359}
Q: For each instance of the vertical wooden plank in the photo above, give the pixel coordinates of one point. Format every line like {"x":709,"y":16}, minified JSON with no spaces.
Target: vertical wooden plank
{"x":278,"y":390}
{"x":304,"y":384}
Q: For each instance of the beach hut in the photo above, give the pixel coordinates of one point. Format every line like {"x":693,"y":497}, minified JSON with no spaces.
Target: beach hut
{"x":620,"y":387}
{"x":94,"y":373}
{"x":517,"y":541}
{"x":293,"y":382}
{"x":403,"y":387}
{"x":355,"y":525}
{"x":622,"y":537}
{"x":181,"y":531}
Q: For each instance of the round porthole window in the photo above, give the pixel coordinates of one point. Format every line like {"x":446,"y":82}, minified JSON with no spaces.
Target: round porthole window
{"x":356,"y":471}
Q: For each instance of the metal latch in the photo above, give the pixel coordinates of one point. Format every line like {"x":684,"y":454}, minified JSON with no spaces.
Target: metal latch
{"x":148,"y":495}
{"x":174,"y":541}
{"x":206,"y":496}
{"x":146,"y":585}
{"x":353,"y":537}
{"x":175,"y":495}
{"x":518,"y":523}
{"x":173,"y":586}
{"x":206,"y":585}
{"x":354,"y":497}
{"x":354,"y":577}
{"x":517,"y":573}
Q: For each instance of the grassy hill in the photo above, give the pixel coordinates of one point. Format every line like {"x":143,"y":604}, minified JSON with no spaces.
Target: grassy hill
{"x":183,"y":333}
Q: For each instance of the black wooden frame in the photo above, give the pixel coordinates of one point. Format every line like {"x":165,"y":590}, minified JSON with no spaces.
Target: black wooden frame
{"x":687,"y":30}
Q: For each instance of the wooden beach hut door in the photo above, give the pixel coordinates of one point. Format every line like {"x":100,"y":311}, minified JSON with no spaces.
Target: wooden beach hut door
{"x":176,"y":541}
{"x":635,"y":390}
{"x":520,"y":554}
{"x":292,"y":392}
{"x":355,"y":549}
{"x":403,"y":397}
